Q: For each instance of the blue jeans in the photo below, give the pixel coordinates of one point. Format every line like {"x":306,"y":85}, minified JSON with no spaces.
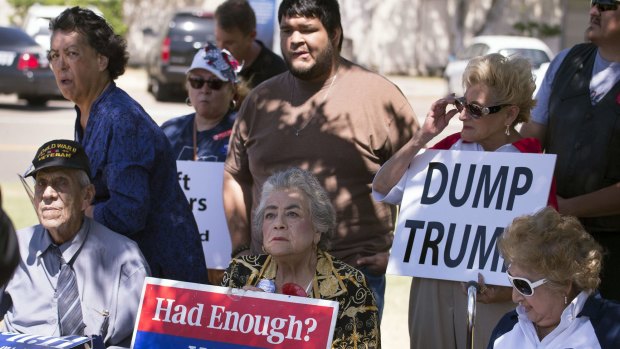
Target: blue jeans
{"x":376,"y":283}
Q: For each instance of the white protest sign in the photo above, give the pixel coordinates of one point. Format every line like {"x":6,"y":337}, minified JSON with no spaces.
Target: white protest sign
{"x":201,"y":182}
{"x":456,"y":204}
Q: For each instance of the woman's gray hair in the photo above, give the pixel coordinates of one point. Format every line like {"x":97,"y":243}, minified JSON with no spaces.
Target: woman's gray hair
{"x":321,"y":210}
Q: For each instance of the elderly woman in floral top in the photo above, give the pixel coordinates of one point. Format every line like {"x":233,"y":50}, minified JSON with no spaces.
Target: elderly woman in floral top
{"x":296,"y":219}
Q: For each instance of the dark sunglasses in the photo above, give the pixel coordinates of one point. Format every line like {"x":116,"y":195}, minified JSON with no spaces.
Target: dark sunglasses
{"x":198,"y":83}
{"x":602,"y":7}
{"x":477,"y":111}
{"x":523,"y":285}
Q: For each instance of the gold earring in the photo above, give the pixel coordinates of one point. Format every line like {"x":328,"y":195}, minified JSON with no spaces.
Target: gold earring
{"x":507,"y":132}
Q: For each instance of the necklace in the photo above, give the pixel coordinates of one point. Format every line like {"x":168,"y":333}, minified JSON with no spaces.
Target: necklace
{"x":307,"y":122}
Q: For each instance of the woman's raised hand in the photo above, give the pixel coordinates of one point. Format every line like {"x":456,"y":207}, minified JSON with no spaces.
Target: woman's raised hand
{"x":438,"y":116}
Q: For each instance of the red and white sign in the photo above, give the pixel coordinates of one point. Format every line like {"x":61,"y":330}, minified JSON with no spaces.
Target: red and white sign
{"x":175,"y":314}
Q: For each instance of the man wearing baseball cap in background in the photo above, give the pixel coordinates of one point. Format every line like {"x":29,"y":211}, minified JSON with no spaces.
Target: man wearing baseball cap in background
{"x":75,"y":276}
{"x":577,"y":117}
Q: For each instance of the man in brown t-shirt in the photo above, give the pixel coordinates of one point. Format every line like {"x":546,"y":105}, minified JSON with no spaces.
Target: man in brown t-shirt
{"x":331,"y":117}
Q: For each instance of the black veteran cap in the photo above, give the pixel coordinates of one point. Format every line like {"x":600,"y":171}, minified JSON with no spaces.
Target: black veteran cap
{"x":60,"y":153}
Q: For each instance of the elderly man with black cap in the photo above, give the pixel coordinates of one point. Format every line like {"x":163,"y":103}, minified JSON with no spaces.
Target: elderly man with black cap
{"x":577,"y":117}
{"x":75,"y":277}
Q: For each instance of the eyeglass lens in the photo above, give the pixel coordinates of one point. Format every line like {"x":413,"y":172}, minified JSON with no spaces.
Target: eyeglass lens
{"x":213,"y":84}
{"x":473,"y":109}
{"x":522,"y":286}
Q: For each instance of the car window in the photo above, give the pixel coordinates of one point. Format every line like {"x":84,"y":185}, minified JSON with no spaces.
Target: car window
{"x":190,"y":28}
{"x":473,"y":50}
{"x":536,"y":57}
{"x":15,"y":37}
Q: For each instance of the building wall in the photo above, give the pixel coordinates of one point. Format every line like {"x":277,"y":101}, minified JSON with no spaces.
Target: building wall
{"x":419,"y":36}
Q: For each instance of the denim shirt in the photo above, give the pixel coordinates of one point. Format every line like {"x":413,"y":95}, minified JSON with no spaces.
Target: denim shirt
{"x":137,"y":191}
{"x":212,"y":145}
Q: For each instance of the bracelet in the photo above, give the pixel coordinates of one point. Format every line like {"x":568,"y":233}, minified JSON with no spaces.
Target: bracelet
{"x":239,"y":249}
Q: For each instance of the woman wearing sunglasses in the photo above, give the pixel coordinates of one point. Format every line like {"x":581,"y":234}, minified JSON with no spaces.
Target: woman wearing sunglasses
{"x":554,"y":267}
{"x":213,"y":89}
{"x":498,"y":97}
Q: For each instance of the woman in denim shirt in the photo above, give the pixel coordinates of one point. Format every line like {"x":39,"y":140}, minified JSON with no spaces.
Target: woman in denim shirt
{"x":132,"y":165}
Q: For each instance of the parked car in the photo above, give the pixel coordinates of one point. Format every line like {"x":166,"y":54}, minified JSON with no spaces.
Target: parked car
{"x":24,"y":68}
{"x":536,"y":51}
{"x":187,"y":31}
{"x":37,"y":21}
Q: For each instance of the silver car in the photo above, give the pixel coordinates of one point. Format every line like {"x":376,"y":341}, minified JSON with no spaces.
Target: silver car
{"x":536,"y":51}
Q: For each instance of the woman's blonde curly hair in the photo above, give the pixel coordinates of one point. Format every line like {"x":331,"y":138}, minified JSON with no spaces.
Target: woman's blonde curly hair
{"x":555,"y":246}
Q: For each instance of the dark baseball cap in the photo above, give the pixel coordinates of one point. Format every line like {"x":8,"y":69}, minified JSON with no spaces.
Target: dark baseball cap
{"x":61,"y":153}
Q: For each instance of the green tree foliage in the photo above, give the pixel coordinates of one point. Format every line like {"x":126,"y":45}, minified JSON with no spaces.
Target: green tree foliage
{"x":112,"y":10}
{"x":537,"y":30}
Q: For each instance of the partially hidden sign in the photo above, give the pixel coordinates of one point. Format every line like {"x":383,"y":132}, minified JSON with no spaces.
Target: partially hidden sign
{"x":455,"y":206}
{"x":181,"y":315}
{"x":10,"y":340}
{"x":201,"y":182}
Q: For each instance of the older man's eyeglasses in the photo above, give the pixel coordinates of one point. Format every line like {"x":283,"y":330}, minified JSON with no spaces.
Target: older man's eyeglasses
{"x":523,"y":285}
{"x":198,"y":83}
{"x":477,"y":111}
{"x":603,"y":6}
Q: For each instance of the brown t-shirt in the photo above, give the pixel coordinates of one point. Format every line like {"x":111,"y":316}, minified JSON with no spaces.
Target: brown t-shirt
{"x":348,"y":127}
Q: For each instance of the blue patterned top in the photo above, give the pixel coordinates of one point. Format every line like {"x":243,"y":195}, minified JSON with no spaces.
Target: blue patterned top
{"x":212,"y":144}
{"x":137,"y":190}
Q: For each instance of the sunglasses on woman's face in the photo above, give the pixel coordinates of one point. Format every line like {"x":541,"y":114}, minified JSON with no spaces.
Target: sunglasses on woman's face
{"x":523,"y":285}
{"x":198,"y":83}
{"x":477,"y":111}
{"x":604,"y":6}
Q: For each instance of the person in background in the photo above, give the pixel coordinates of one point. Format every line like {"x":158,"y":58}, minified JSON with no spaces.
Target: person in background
{"x":328,"y":116}
{"x":554,"y":267}
{"x":498,"y":97}
{"x":132,"y":165}
{"x":75,"y":276}
{"x":296,"y":219}
{"x":9,"y":251}
{"x":212,"y":86}
{"x":235,"y":31}
{"x":576,"y":117}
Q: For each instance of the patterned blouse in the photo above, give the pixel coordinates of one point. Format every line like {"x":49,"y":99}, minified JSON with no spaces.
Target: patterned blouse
{"x":357,"y":325}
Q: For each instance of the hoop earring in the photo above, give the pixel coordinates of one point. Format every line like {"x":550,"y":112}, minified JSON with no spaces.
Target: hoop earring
{"x":507,"y":132}
{"x":188,"y":102}
{"x":233,"y":104}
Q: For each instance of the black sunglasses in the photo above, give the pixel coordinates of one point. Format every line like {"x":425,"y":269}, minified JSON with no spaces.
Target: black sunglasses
{"x":523,"y":285}
{"x":198,"y":83}
{"x":477,"y":111}
{"x":602,"y":7}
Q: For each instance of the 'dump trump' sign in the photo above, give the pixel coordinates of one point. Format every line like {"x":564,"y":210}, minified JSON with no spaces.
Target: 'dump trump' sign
{"x":455,"y":206}
{"x":181,"y":315}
